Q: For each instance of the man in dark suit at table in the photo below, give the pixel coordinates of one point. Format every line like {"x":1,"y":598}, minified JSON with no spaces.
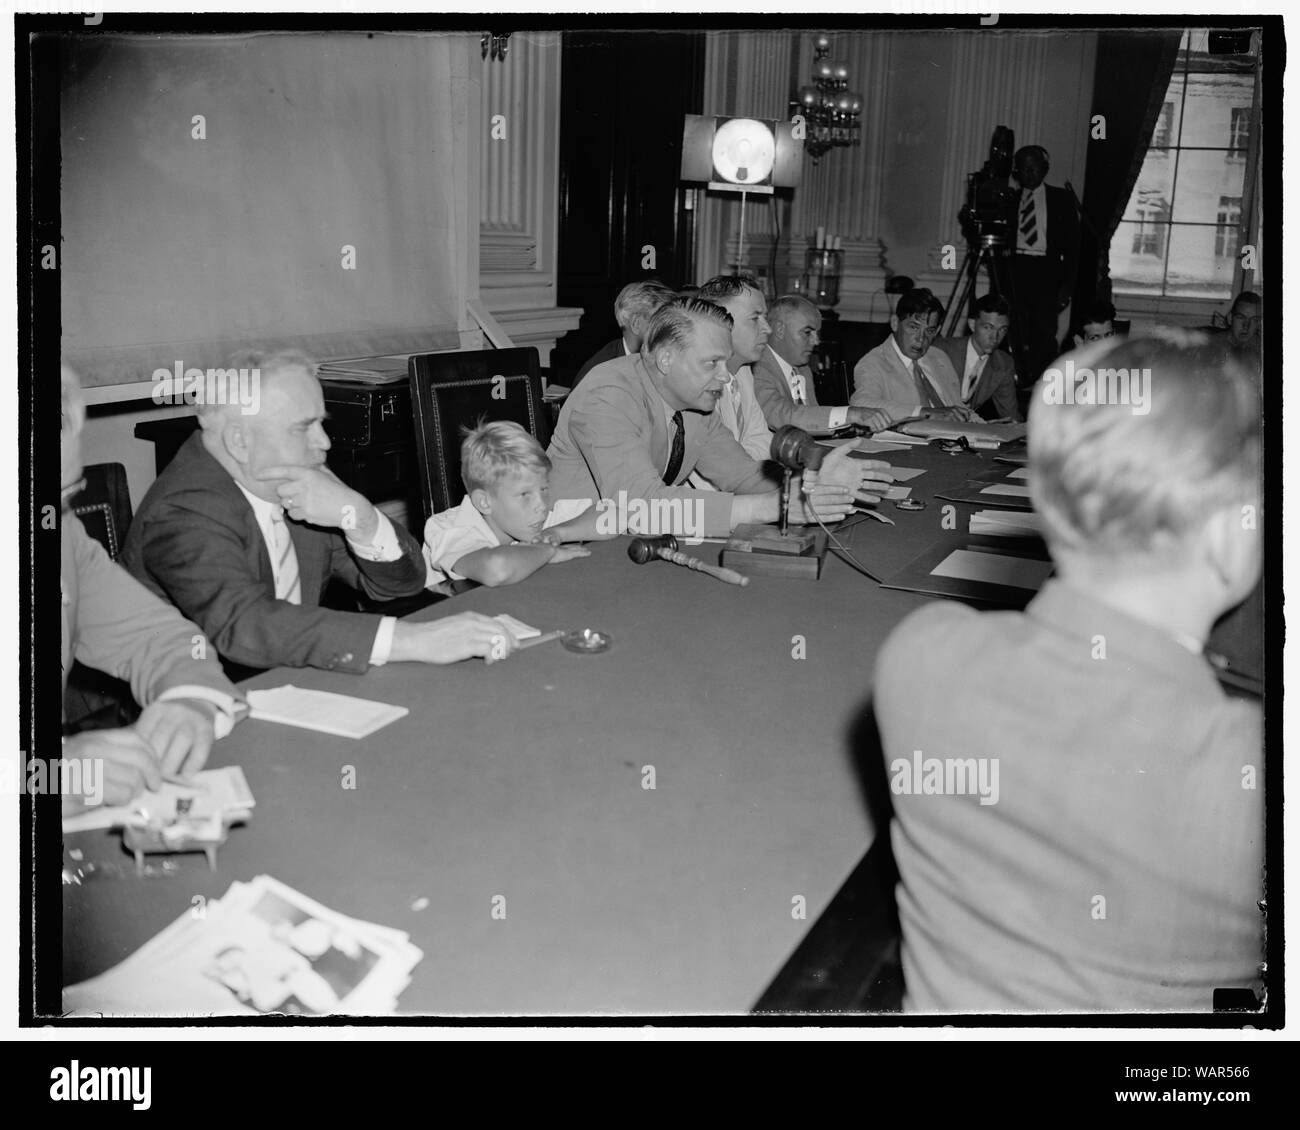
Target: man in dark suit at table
{"x":988,"y":373}
{"x":245,"y":527}
{"x":905,"y":376}
{"x":638,"y":426}
{"x":1044,"y":260}
{"x":783,"y":380}
{"x":1112,"y":859}
{"x":113,"y":624}
{"x":633,"y":308}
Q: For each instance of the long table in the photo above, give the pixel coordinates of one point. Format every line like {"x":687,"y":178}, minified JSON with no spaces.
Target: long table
{"x":527,"y":779}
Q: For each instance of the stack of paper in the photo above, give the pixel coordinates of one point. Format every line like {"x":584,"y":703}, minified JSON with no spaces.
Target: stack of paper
{"x":367,"y":370}
{"x":977,"y":433}
{"x":1006,"y":523}
{"x":261,"y":948}
{"x":214,"y":794}
{"x":341,"y":714}
{"x":890,"y":435}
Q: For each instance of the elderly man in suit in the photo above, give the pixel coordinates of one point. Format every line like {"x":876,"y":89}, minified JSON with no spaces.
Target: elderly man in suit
{"x":904,"y":376}
{"x":113,"y":624}
{"x":633,"y":308}
{"x":1078,"y":809}
{"x":783,"y":380}
{"x":638,"y":427}
{"x":988,"y":374}
{"x":1044,"y":260}
{"x":245,"y":527}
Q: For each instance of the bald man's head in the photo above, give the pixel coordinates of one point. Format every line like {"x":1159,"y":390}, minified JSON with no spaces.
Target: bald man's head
{"x":796,"y":329}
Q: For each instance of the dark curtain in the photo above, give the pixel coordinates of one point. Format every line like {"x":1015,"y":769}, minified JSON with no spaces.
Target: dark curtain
{"x":1133,"y":72}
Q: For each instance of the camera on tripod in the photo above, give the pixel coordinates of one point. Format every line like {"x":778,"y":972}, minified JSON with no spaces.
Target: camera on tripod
{"x":988,"y":217}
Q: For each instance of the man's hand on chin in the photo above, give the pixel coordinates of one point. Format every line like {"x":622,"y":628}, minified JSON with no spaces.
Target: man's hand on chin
{"x":317,"y":496}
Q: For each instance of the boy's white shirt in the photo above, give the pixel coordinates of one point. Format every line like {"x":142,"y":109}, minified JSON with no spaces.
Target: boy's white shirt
{"x":451,"y":534}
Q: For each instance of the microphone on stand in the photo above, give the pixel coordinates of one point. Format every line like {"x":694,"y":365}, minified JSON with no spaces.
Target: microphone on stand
{"x":664,"y":548}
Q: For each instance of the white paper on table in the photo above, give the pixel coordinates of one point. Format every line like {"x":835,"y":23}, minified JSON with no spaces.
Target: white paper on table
{"x":1019,"y":473}
{"x":340,"y":714}
{"x":902,"y":474}
{"x":517,"y":628}
{"x":891,"y":435}
{"x":1006,"y":523}
{"x":895,"y":492}
{"x":873,"y":446}
{"x":993,"y":569}
{"x":1008,"y":489}
{"x":212,"y":791}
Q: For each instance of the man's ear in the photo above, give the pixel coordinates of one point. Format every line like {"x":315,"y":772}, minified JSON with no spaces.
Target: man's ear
{"x":778,"y":330}
{"x":234,"y":438}
{"x":1230,"y":538}
{"x":971,"y":323}
{"x":663,"y":358}
{"x":893,"y":323}
{"x":481,"y":500}
{"x":1078,"y":341}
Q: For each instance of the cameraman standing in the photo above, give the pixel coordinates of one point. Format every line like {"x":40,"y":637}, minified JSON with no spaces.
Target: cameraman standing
{"x":1046,"y":252}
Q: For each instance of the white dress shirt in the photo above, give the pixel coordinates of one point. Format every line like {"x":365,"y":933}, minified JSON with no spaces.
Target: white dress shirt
{"x":798,"y":389}
{"x":975,"y":362}
{"x":738,"y":409}
{"x":908,"y":363}
{"x":384,"y":547}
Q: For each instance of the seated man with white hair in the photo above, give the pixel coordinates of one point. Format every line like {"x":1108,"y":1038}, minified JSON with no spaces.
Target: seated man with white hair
{"x":1117,"y":861}
{"x":246,"y":526}
{"x":633,"y":309}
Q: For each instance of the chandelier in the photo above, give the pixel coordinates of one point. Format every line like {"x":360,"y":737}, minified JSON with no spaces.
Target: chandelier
{"x":828,"y":106}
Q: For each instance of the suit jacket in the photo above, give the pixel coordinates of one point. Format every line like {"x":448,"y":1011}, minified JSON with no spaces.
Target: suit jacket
{"x":777,"y":401}
{"x":610,"y":351}
{"x":882,"y":381}
{"x":613,"y":436}
{"x":1120,"y":864}
{"x":195,"y":541}
{"x":994,"y":394}
{"x":114,"y":624}
{"x":1062,"y":236}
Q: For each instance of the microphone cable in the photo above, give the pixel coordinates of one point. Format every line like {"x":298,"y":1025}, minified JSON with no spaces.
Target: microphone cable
{"x":838,"y":547}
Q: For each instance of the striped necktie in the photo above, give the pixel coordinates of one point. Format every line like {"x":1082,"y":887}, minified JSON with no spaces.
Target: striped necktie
{"x":1028,"y":222}
{"x":288,"y":585}
{"x":924,"y":389}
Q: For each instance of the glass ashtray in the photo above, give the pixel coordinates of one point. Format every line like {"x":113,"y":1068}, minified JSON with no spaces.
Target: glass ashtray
{"x":586,"y":641}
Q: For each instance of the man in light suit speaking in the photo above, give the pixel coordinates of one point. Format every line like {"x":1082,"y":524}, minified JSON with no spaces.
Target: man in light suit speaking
{"x":904,"y":377}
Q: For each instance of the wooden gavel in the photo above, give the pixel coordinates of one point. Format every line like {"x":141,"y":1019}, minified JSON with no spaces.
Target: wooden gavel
{"x":665,"y":548}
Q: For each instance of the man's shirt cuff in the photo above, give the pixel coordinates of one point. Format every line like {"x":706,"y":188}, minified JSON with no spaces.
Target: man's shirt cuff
{"x":384,"y":547}
{"x":227,"y":710}
{"x":383,"y":641}
{"x":839,"y":416}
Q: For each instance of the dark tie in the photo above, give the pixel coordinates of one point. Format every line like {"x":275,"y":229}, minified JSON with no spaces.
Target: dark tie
{"x":679,"y":450}
{"x":924,"y":389}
